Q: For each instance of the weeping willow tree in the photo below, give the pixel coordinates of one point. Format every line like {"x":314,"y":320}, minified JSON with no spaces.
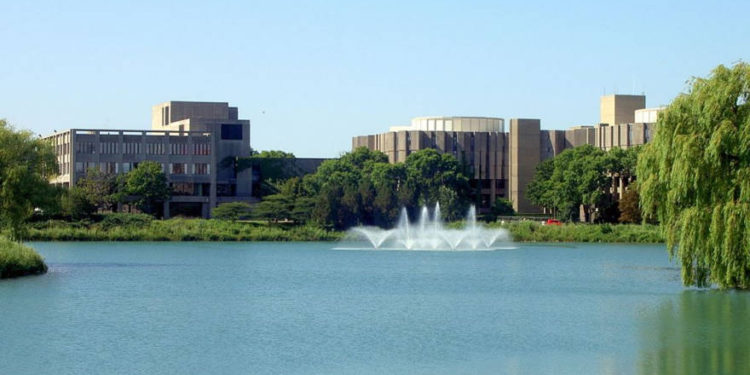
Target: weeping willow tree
{"x":695,"y":178}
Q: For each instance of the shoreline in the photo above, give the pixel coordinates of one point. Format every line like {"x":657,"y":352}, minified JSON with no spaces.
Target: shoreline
{"x":191,"y":230}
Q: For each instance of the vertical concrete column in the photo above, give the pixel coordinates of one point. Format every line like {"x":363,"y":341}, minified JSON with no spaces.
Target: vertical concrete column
{"x":524,"y":157}
{"x":120,"y":151}
{"x":214,"y":170}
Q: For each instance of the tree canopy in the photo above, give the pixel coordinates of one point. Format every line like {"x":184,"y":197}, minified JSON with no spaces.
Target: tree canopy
{"x":148,"y":185}
{"x":694,"y":177}
{"x":361,"y":187}
{"x":231,"y":211}
{"x":580,"y":176}
{"x":26,"y":164}
{"x":93,"y":191}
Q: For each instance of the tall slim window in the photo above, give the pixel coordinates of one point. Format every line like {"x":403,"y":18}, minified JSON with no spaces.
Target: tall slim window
{"x":178,"y":168}
{"x":202,"y":168}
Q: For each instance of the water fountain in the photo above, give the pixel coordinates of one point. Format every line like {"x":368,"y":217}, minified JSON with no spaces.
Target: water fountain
{"x":428,"y":233}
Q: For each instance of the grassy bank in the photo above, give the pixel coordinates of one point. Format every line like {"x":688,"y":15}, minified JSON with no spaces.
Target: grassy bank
{"x":18,"y":260}
{"x":532,"y":231}
{"x":122,"y":227}
{"x":132,"y":227}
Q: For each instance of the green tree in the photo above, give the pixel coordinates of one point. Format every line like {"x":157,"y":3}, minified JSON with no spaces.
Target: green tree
{"x":694,"y":177}
{"x":96,"y":190}
{"x":630,"y":212}
{"x":502,"y":207}
{"x":272,"y":167}
{"x":427,"y":171}
{"x":274,"y":154}
{"x":76,"y":204}
{"x":573,"y":178}
{"x":275,"y":207}
{"x":26,"y":164}
{"x":147,"y":185}
{"x":231,"y":211}
{"x":540,"y":190}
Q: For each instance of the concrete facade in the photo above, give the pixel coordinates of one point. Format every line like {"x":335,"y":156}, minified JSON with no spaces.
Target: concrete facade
{"x":525,"y":155}
{"x":620,"y":109}
{"x":503,"y":163}
{"x":189,"y":139}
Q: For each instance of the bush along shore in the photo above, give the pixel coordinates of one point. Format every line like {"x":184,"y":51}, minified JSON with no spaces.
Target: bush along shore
{"x":532,"y":231}
{"x":139,"y":227}
{"x":19,"y":260}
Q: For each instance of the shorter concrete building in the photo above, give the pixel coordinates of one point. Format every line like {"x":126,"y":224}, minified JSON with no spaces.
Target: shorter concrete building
{"x":189,"y":139}
{"x":503,"y":163}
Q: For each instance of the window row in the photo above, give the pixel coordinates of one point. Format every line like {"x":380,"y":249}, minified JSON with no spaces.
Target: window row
{"x":184,"y":168}
{"x":132,"y":148}
{"x":171,"y":168}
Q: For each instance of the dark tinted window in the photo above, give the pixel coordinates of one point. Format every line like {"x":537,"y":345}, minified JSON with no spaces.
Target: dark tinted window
{"x":231,"y":131}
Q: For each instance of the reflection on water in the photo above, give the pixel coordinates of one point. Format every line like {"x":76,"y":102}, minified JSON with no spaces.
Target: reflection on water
{"x":698,"y":332}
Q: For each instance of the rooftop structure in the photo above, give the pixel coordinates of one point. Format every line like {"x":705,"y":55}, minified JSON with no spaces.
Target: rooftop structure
{"x":455,"y":124}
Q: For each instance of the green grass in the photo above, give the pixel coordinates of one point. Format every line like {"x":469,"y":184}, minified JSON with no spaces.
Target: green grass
{"x":133,"y":227}
{"x":18,"y":260}
{"x":125,"y":227}
{"x":532,"y":231}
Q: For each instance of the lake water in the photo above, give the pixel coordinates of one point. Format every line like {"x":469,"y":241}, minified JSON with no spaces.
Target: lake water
{"x":304,"y":308}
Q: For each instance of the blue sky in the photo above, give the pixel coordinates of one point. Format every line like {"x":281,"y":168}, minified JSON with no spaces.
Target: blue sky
{"x":312,"y":74}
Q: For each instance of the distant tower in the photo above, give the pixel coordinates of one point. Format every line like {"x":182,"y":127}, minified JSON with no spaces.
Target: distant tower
{"x":620,"y":109}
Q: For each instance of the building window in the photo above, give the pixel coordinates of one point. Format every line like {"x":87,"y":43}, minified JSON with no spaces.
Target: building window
{"x":178,"y":168}
{"x":201,"y":148}
{"x":85,"y":148}
{"x":154,"y":148}
{"x":127,"y":167}
{"x":79,"y":167}
{"x":165,"y":115}
{"x":179,"y":149}
{"x":131,"y":148}
{"x":202,"y":168}
{"x":108,"y":167}
{"x":231,"y":131}
{"x":183,"y":188}
{"x":630,"y":135}
{"x":108,"y":148}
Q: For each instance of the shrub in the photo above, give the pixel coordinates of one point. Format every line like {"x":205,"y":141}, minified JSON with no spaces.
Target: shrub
{"x":17,"y":259}
{"x":231,"y":211}
{"x":114,"y":220}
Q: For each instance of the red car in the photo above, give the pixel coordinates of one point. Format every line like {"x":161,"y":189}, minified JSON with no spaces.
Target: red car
{"x":552,"y":222}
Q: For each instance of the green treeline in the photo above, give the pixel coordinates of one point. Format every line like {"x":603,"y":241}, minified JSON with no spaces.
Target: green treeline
{"x":362,"y":188}
{"x":583,"y":176}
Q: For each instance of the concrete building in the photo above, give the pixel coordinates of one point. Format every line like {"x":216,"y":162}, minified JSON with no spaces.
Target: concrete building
{"x":189,"y":139}
{"x":503,"y":163}
{"x":485,"y":150}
